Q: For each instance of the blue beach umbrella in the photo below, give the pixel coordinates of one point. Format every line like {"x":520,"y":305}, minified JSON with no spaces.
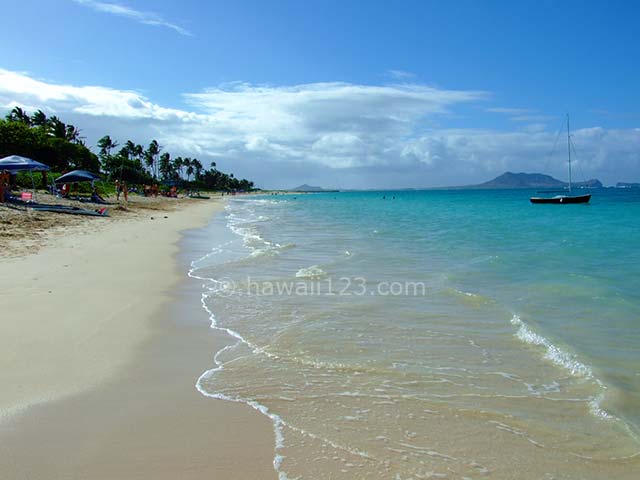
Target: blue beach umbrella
{"x":16,"y":163}
{"x":77,"y":176}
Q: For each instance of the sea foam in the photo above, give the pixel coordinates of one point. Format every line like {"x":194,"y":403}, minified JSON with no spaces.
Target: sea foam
{"x":312,"y":272}
{"x":567,"y":361}
{"x":555,"y":354}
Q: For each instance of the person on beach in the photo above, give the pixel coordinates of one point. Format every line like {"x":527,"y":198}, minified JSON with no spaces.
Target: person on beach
{"x":65,"y":190}
{"x":117,"y":190}
{"x":4,"y":186}
{"x":96,"y":197}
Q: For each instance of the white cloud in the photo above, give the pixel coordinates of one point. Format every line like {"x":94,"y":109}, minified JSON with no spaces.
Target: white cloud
{"x":335,"y":124}
{"x":334,"y":134}
{"x":508,"y":111}
{"x":532,"y":118}
{"x":534,"y":127}
{"x":90,"y":100}
{"x":478,"y":154}
{"x":523,"y":115}
{"x":400,"y":74}
{"x":146,"y":18}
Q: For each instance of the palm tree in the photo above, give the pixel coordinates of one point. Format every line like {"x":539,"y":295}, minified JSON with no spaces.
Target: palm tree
{"x":19,"y":115}
{"x":57,"y":128}
{"x":129,"y":149}
{"x":138,"y":153}
{"x":165,"y":166}
{"x":195,"y":163}
{"x":151,"y":155}
{"x":106,"y":145}
{"x":73,"y":134}
{"x":39,"y":119}
{"x":190,"y":169}
{"x":178,"y":162}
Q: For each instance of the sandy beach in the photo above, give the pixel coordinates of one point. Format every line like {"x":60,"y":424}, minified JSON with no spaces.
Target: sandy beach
{"x":101,"y":342}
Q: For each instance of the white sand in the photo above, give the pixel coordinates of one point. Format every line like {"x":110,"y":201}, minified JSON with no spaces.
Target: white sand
{"x":77,"y":322}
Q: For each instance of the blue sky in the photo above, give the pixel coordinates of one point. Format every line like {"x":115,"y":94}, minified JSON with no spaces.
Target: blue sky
{"x":342,"y":94}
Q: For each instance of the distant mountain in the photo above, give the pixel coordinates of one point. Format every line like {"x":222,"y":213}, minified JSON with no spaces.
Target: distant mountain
{"x":532,"y":180}
{"x":593,"y":183}
{"x":307,"y":188}
{"x":627,"y":185}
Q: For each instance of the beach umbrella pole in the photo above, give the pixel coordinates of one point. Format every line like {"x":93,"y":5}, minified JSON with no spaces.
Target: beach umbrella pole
{"x":33,"y":184}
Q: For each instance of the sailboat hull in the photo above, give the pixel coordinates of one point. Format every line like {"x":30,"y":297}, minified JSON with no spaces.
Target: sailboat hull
{"x":562,"y":199}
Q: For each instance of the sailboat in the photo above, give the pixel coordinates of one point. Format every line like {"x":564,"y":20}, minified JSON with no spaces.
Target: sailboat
{"x":564,"y":199}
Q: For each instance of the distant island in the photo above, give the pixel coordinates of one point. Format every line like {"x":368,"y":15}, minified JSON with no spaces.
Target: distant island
{"x":627,"y":185}
{"x":310,"y":188}
{"x":532,"y":180}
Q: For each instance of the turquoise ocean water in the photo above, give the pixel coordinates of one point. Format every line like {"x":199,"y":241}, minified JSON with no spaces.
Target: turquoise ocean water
{"x":421,"y":334}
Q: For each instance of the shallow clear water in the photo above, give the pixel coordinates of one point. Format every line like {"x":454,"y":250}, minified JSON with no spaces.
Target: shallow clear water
{"x":435,"y":333}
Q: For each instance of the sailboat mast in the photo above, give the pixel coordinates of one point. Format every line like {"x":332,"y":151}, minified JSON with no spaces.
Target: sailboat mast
{"x":569,"y":150}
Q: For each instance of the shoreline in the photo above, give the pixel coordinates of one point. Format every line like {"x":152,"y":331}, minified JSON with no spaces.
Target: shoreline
{"x":104,"y":388}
